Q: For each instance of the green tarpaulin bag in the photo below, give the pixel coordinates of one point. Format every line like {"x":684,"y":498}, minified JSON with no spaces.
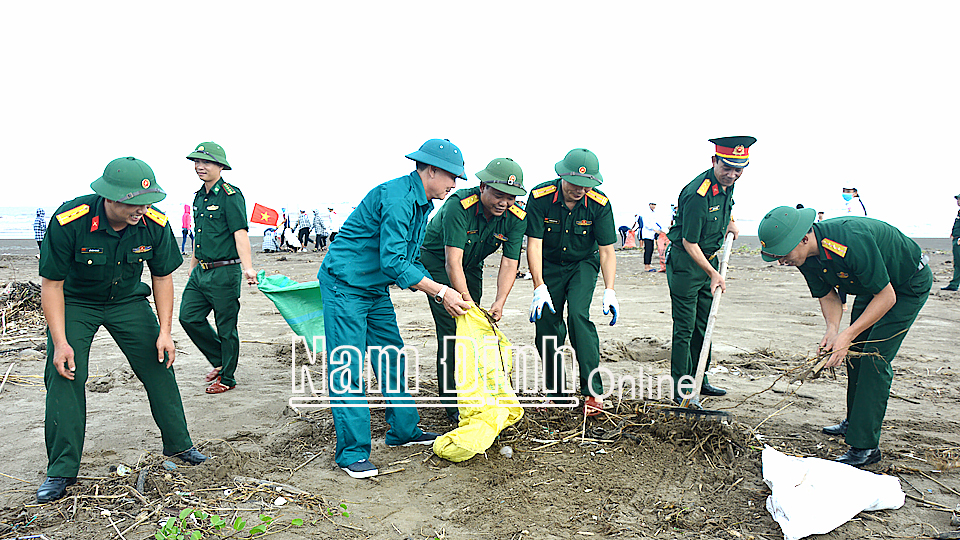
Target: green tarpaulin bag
{"x":300,"y":304}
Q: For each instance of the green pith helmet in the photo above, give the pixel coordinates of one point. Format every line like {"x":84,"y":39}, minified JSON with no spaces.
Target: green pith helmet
{"x":210,"y":151}
{"x":128,"y":180}
{"x":580,"y":167}
{"x":503,"y":174}
{"x":782,"y":229}
{"x":440,"y":153}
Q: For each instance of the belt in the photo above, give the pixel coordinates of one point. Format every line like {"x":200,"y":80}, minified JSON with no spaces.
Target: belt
{"x":215,"y":264}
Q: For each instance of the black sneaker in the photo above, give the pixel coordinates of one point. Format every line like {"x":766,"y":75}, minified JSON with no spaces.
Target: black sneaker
{"x":948,"y":288}
{"x":54,"y":488}
{"x":361,"y":469}
{"x":190,"y":456}
{"x":424,"y":439}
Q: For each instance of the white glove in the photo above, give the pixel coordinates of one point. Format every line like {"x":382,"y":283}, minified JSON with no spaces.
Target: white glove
{"x":610,"y":304}
{"x":541,"y":296}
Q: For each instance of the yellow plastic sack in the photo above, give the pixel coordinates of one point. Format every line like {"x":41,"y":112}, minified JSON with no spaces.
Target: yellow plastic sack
{"x":483,"y":363}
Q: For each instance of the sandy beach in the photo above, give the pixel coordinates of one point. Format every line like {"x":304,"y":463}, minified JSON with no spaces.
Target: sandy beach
{"x":628,"y":474}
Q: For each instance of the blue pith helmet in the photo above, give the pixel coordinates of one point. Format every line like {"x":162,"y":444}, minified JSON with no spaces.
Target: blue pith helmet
{"x":440,"y":153}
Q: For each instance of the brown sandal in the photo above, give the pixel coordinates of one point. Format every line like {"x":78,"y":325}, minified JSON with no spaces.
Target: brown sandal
{"x":218,"y":387}
{"x":214,"y":373}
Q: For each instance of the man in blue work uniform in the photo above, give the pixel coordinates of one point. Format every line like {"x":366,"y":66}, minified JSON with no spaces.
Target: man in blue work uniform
{"x":90,"y":266}
{"x":379,"y":245}
{"x":889,"y":274}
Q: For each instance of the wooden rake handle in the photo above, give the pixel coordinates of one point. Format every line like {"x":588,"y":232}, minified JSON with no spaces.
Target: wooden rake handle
{"x":711,"y":321}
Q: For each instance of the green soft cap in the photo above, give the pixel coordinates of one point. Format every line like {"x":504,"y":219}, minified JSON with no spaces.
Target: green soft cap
{"x":503,"y":174}
{"x":210,"y":151}
{"x":782,"y":229}
{"x":580,"y":167}
{"x":440,"y":153}
{"x":128,"y":180}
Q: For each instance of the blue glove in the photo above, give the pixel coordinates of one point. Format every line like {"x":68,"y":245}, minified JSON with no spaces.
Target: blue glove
{"x":541,"y":296}
{"x":610,"y":304}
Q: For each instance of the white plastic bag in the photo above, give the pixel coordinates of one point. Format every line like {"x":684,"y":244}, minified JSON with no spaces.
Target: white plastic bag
{"x":815,"y":496}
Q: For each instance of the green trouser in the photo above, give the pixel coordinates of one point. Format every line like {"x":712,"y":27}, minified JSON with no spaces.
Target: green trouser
{"x":869,"y":377}
{"x":447,"y":326}
{"x":216,"y":289}
{"x":690,"y":300}
{"x":571,"y":283}
{"x":134,"y":327}
{"x":955,"y":282}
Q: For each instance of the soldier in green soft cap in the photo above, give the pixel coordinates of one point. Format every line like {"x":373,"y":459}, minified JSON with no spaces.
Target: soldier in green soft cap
{"x":570,"y":240}
{"x":472,"y":224}
{"x":221,"y":258}
{"x":955,"y":243}
{"x":888,"y":273}
{"x":90,"y":267}
{"x":702,"y":221}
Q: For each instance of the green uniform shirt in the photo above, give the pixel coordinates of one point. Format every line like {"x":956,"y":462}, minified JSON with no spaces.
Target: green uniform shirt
{"x":861,"y":255}
{"x":569,"y":235}
{"x":379,"y":244}
{"x":460,"y":223}
{"x":98,"y":264}
{"x":703,"y":213}
{"x":217,"y":215}
{"x":956,"y":226}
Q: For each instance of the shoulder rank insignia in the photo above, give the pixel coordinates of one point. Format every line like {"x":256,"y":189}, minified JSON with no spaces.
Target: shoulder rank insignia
{"x":600,"y":199}
{"x":517,"y":211}
{"x":469,"y":201}
{"x":702,"y":190}
{"x":228,"y":189}
{"x":839,"y":249}
{"x":66,"y":217}
{"x":545,"y":190}
{"x":157,"y":217}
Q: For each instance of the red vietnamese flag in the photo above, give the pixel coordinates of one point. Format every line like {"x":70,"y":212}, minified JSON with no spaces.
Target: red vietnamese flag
{"x":266,"y":216}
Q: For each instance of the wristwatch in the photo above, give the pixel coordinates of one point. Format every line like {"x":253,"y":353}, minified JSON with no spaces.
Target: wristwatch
{"x":439,"y":296}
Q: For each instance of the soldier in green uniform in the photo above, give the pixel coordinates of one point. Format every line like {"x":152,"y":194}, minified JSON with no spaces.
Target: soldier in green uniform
{"x":222,"y":247}
{"x":955,"y":242}
{"x":472,"y":224}
{"x":90,"y":266}
{"x":888,"y":273}
{"x":702,"y":222}
{"x":570,"y":239}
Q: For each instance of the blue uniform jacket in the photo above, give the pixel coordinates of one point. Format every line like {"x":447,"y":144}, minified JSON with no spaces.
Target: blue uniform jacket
{"x":379,"y":244}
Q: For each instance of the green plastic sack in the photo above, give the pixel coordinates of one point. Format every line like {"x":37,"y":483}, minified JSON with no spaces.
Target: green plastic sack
{"x":300,"y":304}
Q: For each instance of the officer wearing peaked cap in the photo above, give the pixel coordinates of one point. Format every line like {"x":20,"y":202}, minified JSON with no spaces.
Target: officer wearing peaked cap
{"x":570,"y":239}
{"x":472,"y":224}
{"x":221,"y":256}
{"x":379,"y":245}
{"x":888,"y":273}
{"x":90,"y":265}
{"x":702,"y":221}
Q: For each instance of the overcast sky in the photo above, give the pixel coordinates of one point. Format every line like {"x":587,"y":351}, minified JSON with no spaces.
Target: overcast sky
{"x":318,"y":102}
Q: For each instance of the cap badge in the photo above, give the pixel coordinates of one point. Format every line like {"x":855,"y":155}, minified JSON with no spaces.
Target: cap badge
{"x":145,"y":183}
{"x":763,"y":244}
{"x":739,"y":150}
{"x":582,"y":170}
{"x":200,"y":148}
{"x":511,"y":179}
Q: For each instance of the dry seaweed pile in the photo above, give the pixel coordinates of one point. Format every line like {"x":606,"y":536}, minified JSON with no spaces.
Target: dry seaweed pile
{"x":21,"y":317}
{"x":135,"y":500}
